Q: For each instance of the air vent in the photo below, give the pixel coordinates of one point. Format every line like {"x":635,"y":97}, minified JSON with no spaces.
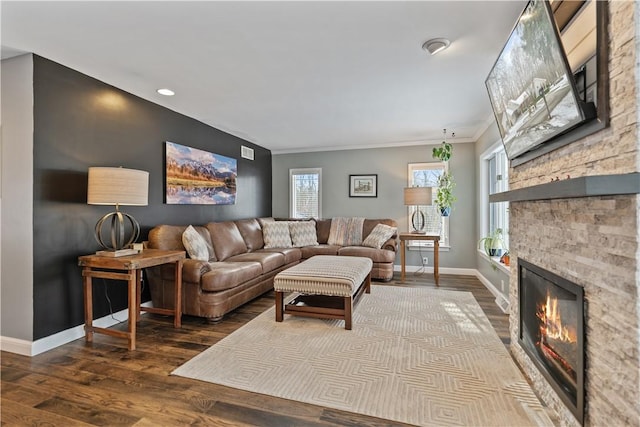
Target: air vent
{"x":246,"y":153}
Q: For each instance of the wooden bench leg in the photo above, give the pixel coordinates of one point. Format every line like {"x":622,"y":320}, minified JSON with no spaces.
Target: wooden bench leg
{"x":367,"y":284}
{"x":348,"y":311}
{"x":279,"y":306}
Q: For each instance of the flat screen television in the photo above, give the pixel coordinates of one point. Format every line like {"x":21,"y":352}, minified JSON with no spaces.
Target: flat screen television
{"x":531,"y":87}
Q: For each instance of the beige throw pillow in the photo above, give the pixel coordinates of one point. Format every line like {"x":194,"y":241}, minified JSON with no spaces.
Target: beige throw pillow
{"x":380,"y":234}
{"x":276,"y":234}
{"x":303,"y":233}
{"x":195,"y":244}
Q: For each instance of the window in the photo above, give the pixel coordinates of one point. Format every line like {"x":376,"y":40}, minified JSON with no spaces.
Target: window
{"x":494,"y":172}
{"x":305,"y":190}
{"x":427,"y":175}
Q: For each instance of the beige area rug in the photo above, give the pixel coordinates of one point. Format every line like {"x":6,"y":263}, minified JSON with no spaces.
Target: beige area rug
{"x":415,"y":355}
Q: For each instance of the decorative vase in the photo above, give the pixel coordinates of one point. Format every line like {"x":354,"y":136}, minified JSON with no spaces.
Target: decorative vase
{"x":445,"y":211}
{"x":495,"y":252}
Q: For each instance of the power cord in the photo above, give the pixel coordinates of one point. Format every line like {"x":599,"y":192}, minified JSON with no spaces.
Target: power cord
{"x":422,"y":270}
{"x":106,"y":294}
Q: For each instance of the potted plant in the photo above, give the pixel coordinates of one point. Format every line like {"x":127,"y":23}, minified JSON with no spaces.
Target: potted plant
{"x":443,"y":152}
{"x":444,"y":194}
{"x":492,"y":244}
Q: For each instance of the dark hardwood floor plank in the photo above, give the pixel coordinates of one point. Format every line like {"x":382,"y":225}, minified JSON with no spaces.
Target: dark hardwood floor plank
{"x":17,"y":414}
{"x":102,"y":383}
{"x":18,"y":394}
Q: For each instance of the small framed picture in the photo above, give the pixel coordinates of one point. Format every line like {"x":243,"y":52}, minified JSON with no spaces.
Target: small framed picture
{"x":363,"y":185}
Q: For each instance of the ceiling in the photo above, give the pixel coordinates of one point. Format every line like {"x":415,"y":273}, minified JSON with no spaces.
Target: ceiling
{"x":288,"y":76}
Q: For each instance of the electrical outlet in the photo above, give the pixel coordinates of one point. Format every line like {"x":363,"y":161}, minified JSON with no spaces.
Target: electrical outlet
{"x":425,"y":260}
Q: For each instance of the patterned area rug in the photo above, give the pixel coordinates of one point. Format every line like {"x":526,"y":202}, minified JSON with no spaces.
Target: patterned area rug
{"x":415,"y":355}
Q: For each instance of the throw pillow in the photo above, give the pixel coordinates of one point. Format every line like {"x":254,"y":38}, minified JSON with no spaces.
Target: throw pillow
{"x":195,"y":244}
{"x":303,"y":233}
{"x":346,"y":231}
{"x":380,"y":234}
{"x":276,"y":234}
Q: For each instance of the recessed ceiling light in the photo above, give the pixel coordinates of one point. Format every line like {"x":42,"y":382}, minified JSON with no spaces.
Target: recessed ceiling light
{"x":434,"y":46}
{"x":166,"y":92}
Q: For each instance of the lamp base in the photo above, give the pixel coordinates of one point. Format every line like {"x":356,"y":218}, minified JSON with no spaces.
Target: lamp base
{"x":118,"y":253}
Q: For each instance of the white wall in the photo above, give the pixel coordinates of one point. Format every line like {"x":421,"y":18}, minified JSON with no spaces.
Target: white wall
{"x":16,"y":217}
{"x":391,"y":166}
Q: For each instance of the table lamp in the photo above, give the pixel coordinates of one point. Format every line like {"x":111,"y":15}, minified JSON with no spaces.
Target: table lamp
{"x":119,"y":187}
{"x":417,"y":196}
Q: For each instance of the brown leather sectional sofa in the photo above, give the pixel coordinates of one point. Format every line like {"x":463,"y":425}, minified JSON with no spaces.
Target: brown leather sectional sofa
{"x":240,"y":268}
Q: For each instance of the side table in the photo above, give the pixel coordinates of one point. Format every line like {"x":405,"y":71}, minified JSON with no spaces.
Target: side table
{"x":417,"y":236}
{"x":128,"y":268}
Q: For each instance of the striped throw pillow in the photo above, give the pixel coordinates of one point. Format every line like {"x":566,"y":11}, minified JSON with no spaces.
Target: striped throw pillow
{"x":303,"y":233}
{"x":380,"y":234}
{"x":276,"y":234}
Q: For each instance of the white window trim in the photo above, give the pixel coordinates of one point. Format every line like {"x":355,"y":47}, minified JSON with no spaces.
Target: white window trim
{"x":483,"y":191}
{"x":425,"y":245}
{"x":302,"y":171}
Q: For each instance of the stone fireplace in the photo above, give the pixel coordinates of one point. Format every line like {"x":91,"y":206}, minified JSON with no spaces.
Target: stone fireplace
{"x":590,"y":238}
{"x":551,"y":331}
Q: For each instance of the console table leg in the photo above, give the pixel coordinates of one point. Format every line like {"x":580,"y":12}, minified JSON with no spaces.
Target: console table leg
{"x":88,"y":306}
{"x":133,"y":308}
{"x":177,"y":320}
{"x":138,"y":293}
{"x":436,"y":273}
{"x":402,"y":260}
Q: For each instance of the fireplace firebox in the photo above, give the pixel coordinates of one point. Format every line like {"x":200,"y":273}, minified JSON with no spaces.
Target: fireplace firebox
{"x":551,"y":331}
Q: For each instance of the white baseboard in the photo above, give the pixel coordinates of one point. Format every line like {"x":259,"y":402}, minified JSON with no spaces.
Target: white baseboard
{"x":502,"y":301}
{"x":33,"y":348}
{"x":443,"y":270}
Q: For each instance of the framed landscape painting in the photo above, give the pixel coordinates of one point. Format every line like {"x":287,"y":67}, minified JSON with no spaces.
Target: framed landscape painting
{"x":363,"y":185}
{"x":197,"y":177}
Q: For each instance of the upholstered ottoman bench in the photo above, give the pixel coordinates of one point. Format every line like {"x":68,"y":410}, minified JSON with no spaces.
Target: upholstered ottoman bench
{"x":329,"y":286}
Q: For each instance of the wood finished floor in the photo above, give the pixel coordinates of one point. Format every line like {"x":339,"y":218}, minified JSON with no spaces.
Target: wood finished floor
{"x":104,"y":384}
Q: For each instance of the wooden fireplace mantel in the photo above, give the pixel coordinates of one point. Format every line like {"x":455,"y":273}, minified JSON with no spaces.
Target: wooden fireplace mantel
{"x":585,"y":186}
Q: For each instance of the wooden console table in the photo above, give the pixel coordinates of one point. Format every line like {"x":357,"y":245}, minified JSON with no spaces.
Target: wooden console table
{"x":416,"y":236}
{"x":128,"y":268}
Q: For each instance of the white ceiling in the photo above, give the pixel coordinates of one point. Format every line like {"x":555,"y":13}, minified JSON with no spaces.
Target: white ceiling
{"x":289,"y":76}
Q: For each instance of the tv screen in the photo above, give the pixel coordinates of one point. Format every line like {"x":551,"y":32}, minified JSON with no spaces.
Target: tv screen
{"x":531,"y":86}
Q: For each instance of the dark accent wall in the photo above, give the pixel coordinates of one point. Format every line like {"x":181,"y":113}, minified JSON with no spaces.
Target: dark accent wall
{"x":81,"y":122}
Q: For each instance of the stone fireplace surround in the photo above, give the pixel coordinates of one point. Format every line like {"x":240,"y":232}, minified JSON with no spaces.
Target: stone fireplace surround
{"x":592,"y":241}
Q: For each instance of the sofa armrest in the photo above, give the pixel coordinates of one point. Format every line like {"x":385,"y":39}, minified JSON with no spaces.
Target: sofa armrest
{"x":391,"y":244}
{"x":193,"y":269}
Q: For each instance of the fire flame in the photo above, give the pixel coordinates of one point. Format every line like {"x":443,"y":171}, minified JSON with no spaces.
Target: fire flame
{"x":552,"y":327}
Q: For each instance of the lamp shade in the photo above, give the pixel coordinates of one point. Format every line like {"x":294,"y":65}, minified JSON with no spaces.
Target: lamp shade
{"x":117,"y":186}
{"x":417,"y":196}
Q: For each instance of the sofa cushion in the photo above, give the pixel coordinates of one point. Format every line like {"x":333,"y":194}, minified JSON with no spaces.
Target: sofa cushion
{"x":380,"y":234}
{"x":309,"y":251}
{"x":303,"y":233}
{"x":194,"y":244}
{"x":346,"y":231}
{"x":276,"y":234}
{"x":290,"y":254}
{"x":376,"y":255}
{"x":269,"y":261}
{"x":226,"y":275}
{"x":251,"y":233}
{"x":226,"y":238}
